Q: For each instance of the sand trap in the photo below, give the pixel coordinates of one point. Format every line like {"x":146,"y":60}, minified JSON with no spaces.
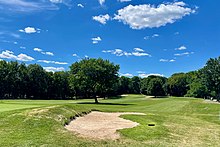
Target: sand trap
{"x":212,"y":102}
{"x":101,"y":125}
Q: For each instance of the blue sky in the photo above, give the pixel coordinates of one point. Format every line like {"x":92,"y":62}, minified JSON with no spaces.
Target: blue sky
{"x":143,"y":36}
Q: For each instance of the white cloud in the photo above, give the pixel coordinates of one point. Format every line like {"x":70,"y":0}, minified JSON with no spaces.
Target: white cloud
{"x":6,"y":41}
{"x":119,"y":52}
{"x":96,"y":40}
{"x":41,"y":51}
{"x":101,"y":2}
{"x":167,"y":60}
{"x":144,"y":75}
{"x":126,"y":74}
{"x":30,"y":30}
{"x":153,"y":36}
{"x":182,"y":54}
{"x":140,"y":54}
{"x":14,"y":35}
{"x":10,"y":55}
{"x":53,"y":69}
{"x":181,"y":48}
{"x":138,"y":50}
{"x":75,"y":55}
{"x":124,"y":1}
{"x":140,"y":72}
{"x":52,"y":62}
{"x":11,"y":34}
{"x":56,"y":1}
{"x":80,"y":5}
{"x":26,"y":6}
{"x":101,"y":18}
{"x":47,"y":53}
{"x":149,"y":16}
{"x":38,"y":49}
{"x":146,"y":37}
{"x":22,"y":47}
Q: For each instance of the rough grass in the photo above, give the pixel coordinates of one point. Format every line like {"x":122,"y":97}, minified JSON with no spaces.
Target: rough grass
{"x":178,"y":122}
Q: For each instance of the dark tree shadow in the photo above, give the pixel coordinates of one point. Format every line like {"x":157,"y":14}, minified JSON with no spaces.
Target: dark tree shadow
{"x":162,"y":97}
{"x":116,"y":104}
{"x":114,"y":97}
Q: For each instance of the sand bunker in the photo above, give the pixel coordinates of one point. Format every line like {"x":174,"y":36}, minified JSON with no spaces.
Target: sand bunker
{"x":101,"y":125}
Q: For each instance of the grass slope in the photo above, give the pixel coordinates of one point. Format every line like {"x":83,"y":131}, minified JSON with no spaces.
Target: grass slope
{"x":179,"y":122}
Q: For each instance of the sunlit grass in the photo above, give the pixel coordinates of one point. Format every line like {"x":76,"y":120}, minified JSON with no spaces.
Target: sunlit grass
{"x":178,"y":122}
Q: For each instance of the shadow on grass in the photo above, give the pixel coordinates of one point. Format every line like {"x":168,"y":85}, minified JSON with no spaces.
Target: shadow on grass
{"x":115,"y":97}
{"x":104,"y":103}
{"x":160,"y":97}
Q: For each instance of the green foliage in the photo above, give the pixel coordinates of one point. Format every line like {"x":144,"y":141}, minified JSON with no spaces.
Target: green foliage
{"x":124,"y":85}
{"x":177,"y":84}
{"x":135,"y":85}
{"x":31,"y":82}
{"x":211,"y":76}
{"x":93,"y":77}
{"x":198,"y":90}
{"x":155,"y":87}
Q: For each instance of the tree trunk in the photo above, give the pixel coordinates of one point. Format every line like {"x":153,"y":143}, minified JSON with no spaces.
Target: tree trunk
{"x":96,"y":100}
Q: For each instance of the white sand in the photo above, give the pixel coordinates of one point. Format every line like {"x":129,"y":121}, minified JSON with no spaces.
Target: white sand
{"x":101,"y":125}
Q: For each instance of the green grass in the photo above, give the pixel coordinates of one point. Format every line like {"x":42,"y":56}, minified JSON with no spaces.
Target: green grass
{"x":178,"y":122}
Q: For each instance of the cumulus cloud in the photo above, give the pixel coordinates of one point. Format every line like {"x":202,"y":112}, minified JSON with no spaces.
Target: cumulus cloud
{"x":42,"y":52}
{"x":155,"y":35}
{"x":53,"y":69}
{"x":145,"y":75}
{"x":80,"y":5}
{"x":126,"y":74}
{"x":101,"y":18}
{"x":149,"y":16}
{"x":47,"y":53}
{"x":138,"y":50}
{"x":38,"y":49}
{"x":140,"y":54}
{"x":52,"y":62}
{"x":118,"y":52}
{"x":96,"y":40}
{"x":167,"y":60}
{"x":184,"y":54}
{"x":181,"y":48}
{"x":10,"y":55}
{"x":101,"y":2}
{"x":30,"y":30}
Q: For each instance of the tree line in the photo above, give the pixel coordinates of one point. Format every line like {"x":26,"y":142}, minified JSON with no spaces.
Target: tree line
{"x":92,"y":78}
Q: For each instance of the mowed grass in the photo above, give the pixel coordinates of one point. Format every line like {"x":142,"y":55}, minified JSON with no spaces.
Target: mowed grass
{"x":178,"y":122}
